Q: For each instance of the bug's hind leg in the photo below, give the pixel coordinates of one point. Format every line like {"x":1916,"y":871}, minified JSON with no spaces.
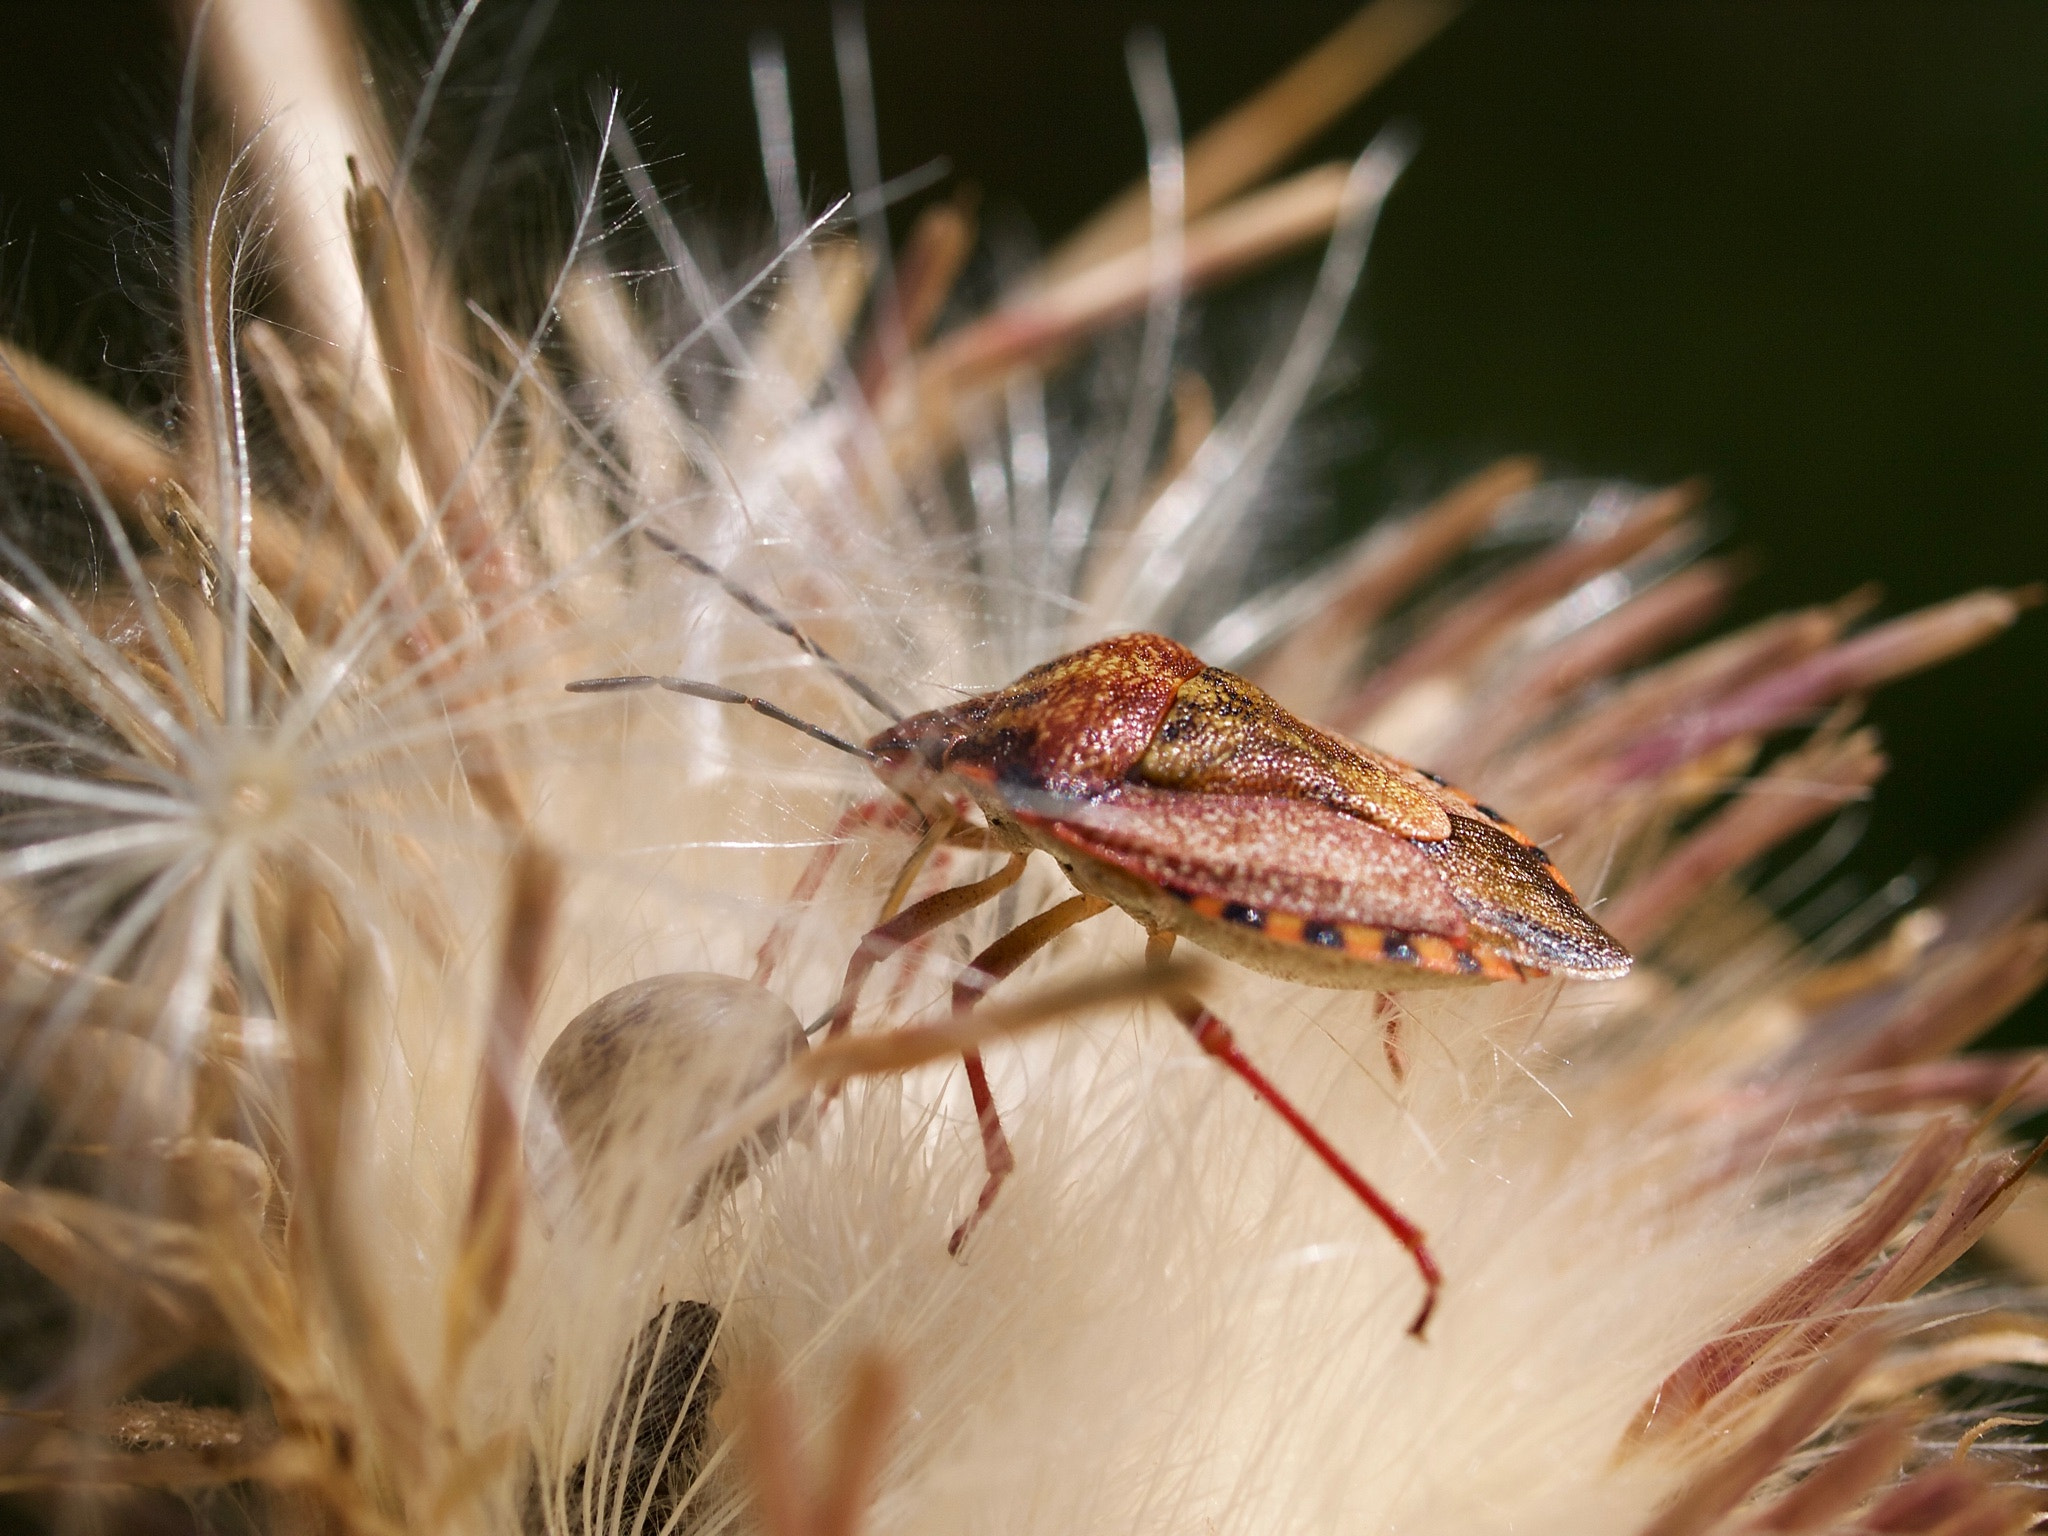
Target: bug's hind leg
{"x":984,"y":971}
{"x":1214,"y":1037}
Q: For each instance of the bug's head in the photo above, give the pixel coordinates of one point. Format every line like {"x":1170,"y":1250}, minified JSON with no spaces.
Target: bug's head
{"x":1072,"y":726}
{"x":913,"y":751}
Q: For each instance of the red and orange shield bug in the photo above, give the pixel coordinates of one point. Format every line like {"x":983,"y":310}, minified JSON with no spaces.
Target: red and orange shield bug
{"x":1188,"y":797}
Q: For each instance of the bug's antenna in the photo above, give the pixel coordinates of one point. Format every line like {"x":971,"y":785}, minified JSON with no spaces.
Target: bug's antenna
{"x":719,"y":695}
{"x":775,"y":619}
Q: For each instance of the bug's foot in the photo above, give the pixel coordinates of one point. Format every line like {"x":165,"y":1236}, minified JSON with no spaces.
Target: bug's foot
{"x":986,"y":1199}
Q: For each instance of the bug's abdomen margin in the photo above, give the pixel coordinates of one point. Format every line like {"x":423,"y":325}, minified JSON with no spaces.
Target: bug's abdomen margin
{"x":1300,"y":891}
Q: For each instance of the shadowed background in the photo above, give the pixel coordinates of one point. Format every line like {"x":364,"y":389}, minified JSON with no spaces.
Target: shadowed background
{"x":1801,"y":251}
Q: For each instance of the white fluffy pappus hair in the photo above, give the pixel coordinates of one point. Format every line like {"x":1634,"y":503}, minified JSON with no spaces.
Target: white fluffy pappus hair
{"x":420,"y":1043}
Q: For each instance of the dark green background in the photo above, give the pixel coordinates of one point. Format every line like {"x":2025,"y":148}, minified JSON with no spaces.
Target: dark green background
{"x":1799,"y":249}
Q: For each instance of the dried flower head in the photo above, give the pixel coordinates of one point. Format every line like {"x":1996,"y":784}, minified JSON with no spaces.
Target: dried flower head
{"x":420,"y":1042}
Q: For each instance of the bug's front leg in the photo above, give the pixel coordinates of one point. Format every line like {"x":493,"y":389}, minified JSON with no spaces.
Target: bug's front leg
{"x":913,"y":922}
{"x":945,"y":830}
{"x":884,"y":812}
{"x":984,"y":971}
{"x":1214,"y":1037}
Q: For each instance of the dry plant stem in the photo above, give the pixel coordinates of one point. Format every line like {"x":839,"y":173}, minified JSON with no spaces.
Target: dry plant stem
{"x":288,"y":70}
{"x":1799,"y":790}
{"x":1256,"y":137}
{"x":1895,"y":649}
{"x":52,"y":417}
{"x":32,"y":979}
{"x":1194,"y":421}
{"x":1643,"y":626}
{"x":873,"y":1405}
{"x":168,"y":1445}
{"x":817,"y":307}
{"x":1043,"y":321}
{"x":774,"y":1461}
{"x":1964,"y":994}
{"x":1553,"y":771}
{"x":1997,"y":892}
{"x":1918,"y":1172}
{"x":1473,"y":624}
{"x":1309,"y":668}
{"x":490,"y":1235}
{"x":75,"y":432}
{"x":440,"y":436}
{"x":787,"y":1502}
{"x":322,"y":983}
{"x":117,"y":1091}
{"x":1807,"y":1406}
{"x":597,"y":316}
{"x":186,"y":542}
{"x":1638,"y":630}
{"x":324,"y":464}
{"x":1968,"y":1081}
{"x":930,"y":263}
{"x":143,"y":1278}
{"x":352,"y":455}
{"x":1960,"y":1346}
{"x":440,"y":426}
{"x":1950,"y":1502}
{"x":1965,"y":1214}
{"x":1842,"y":1482}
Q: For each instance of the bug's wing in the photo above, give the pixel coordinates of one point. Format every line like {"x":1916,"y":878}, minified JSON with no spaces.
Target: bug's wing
{"x":1511,"y":893}
{"x":1303,"y":873}
{"x":1262,"y":852}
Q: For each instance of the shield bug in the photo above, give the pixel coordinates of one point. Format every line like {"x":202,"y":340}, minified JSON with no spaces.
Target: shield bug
{"x":1188,"y":797}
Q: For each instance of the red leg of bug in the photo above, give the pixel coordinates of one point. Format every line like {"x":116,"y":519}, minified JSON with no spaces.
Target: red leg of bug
{"x":1388,"y":1012}
{"x":884,"y":939}
{"x":1214,"y":1037}
{"x":996,"y":1155}
{"x":983,"y":972}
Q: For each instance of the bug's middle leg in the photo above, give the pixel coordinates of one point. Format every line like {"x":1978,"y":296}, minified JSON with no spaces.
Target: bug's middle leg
{"x":1214,"y":1037}
{"x":982,"y":972}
